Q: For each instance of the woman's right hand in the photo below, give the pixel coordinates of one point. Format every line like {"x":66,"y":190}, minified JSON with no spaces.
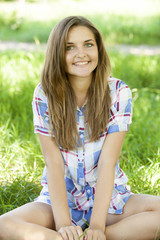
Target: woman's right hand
{"x":71,"y":232}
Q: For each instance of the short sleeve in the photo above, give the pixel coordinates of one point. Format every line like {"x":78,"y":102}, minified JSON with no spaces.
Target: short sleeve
{"x":40,"y":112}
{"x":121,"y":107}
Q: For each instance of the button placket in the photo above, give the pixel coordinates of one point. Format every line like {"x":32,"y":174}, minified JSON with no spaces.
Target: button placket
{"x":80,"y":151}
{"x":89,"y":191}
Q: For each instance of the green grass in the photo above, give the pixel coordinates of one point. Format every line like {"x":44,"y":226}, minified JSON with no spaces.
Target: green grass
{"x":128,"y":29}
{"x":138,"y":71}
{"x":22,"y":163}
{"x":115,"y":28}
{"x":141,"y":151}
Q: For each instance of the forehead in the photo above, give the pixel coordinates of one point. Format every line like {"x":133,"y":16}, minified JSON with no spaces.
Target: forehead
{"x":79,"y":33}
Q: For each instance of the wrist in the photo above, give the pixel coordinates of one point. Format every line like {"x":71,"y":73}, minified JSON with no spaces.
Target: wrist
{"x":94,"y":225}
{"x":63,"y":224}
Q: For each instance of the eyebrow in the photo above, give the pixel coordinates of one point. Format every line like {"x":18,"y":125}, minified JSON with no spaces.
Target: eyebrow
{"x":88,"y":40}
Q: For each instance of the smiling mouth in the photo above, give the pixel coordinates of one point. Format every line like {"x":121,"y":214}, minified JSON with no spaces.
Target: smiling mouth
{"x":81,"y":63}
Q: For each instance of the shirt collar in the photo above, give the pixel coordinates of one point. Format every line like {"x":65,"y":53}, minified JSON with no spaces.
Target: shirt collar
{"x":81,"y":110}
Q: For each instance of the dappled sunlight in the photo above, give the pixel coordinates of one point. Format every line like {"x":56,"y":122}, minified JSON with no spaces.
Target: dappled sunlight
{"x":150,"y":174}
{"x":19,"y":67}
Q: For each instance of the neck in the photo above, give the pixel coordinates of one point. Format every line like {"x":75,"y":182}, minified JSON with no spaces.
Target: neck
{"x":80,"y":87}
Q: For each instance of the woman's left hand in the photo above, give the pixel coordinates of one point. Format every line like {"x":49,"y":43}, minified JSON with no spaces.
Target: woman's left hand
{"x":94,"y":234}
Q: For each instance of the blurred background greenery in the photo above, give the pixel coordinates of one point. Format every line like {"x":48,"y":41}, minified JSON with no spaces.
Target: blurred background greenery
{"x":125,"y":23}
{"x":130,"y":22}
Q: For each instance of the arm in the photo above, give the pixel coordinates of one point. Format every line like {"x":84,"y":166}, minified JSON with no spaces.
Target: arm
{"x":55,"y":167}
{"x":56,"y":183}
{"x":106,"y":170}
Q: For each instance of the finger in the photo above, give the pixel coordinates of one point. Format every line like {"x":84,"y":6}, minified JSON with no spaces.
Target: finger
{"x":82,"y":236}
{"x":70,"y":234}
{"x":79,"y":231}
{"x":63,"y":234}
{"x":74,"y":232}
{"x":89,"y":235}
{"x":86,"y":236}
{"x":96,"y":236}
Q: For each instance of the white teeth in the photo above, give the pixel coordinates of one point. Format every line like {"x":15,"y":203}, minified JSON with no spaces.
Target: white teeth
{"x":81,"y":63}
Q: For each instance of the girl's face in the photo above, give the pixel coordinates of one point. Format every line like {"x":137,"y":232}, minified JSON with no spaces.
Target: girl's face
{"x":81,"y":53}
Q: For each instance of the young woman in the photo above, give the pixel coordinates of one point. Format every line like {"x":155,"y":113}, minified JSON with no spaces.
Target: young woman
{"x":81,"y":116}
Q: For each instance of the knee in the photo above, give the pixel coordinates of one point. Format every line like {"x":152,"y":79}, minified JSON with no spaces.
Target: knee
{"x":157,"y":223}
{"x":158,"y":227}
{"x":154,"y":204}
{"x":157,"y":205}
{"x":158,"y":213}
{"x":5,"y":224}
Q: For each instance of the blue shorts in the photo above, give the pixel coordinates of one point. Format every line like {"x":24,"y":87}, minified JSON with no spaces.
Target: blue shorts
{"x":81,"y":218}
{"x":78,"y":217}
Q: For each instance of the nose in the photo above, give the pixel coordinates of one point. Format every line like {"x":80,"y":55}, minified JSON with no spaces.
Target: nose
{"x":81,"y":52}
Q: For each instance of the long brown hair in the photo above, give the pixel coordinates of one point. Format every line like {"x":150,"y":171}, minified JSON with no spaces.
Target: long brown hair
{"x":60,"y":95}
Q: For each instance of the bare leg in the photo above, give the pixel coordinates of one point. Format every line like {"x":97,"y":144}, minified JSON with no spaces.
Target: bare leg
{"x":29,"y":222}
{"x":140,"y":220}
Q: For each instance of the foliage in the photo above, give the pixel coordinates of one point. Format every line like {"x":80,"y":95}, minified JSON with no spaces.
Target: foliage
{"x":11,"y":22}
{"x":128,"y":29}
{"x":115,"y":28}
{"x":22,"y":163}
{"x":138,"y":71}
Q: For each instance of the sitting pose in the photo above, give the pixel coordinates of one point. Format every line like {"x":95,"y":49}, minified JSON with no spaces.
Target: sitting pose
{"x":81,"y":116}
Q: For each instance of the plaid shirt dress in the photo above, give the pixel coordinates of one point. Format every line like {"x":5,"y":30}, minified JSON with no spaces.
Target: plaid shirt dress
{"x":81,"y":163}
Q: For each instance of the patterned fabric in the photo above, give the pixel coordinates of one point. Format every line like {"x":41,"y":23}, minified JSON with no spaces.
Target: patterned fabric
{"x":81,"y":164}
